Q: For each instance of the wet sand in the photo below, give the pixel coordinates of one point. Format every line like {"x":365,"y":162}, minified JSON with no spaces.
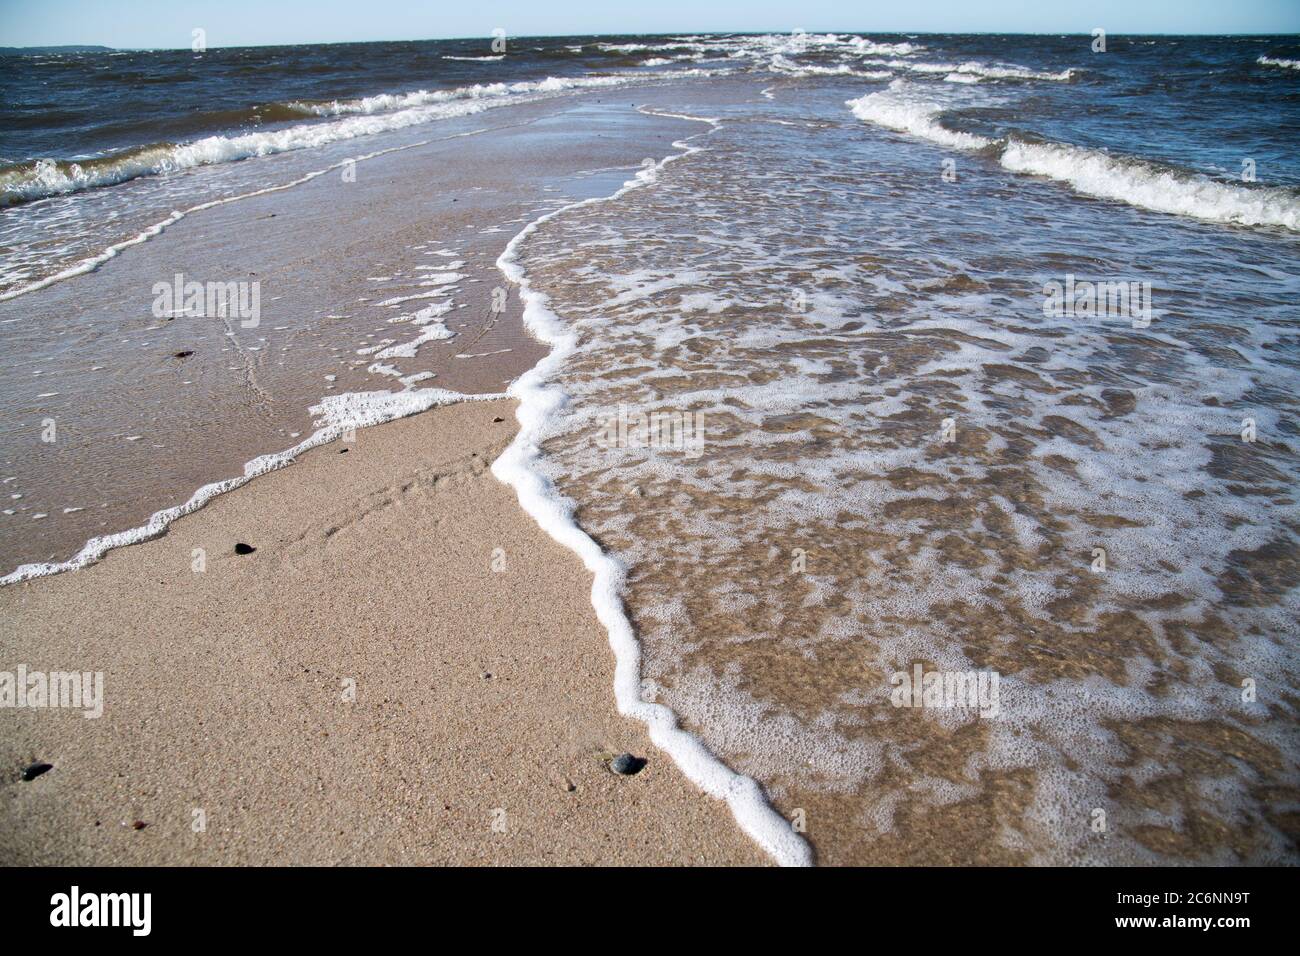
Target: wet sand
{"x":148,"y":409}
{"x":482,"y":716}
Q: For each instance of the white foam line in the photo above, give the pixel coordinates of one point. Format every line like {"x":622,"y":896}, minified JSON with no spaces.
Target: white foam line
{"x":95,"y":261}
{"x":518,"y":467}
{"x":1284,"y":64}
{"x":1138,"y":183}
{"x":351,"y":119}
{"x":338,"y":414}
{"x":1091,"y":172}
{"x":398,"y":300}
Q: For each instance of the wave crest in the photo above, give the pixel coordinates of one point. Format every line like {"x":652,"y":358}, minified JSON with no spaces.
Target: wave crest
{"x":1092,"y":172}
{"x":24,"y":182}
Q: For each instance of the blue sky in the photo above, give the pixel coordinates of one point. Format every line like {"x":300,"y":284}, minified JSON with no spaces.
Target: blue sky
{"x":168,"y":23}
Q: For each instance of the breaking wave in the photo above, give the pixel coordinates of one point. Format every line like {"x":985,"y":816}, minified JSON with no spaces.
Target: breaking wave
{"x":347,"y":119}
{"x":1139,"y":182}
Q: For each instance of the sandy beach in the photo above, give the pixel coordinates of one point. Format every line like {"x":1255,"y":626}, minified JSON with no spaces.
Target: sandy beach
{"x":482,"y":718}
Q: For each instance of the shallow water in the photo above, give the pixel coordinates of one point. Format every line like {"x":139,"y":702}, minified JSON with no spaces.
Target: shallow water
{"x":905,"y":461}
{"x":362,"y":287}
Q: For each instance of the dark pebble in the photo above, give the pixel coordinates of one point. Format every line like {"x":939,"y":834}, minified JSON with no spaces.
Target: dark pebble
{"x":343,"y":451}
{"x":242,"y":548}
{"x":139,"y":825}
{"x":182,"y":355}
{"x":625,"y":765}
{"x":498,"y":419}
{"x":36,"y":769}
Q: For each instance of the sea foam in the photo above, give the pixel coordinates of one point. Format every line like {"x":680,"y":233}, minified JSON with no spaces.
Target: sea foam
{"x":907,"y":108}
{"x":518,"y":467}
{"x":344,"y":120}
{"x":335,"y":416}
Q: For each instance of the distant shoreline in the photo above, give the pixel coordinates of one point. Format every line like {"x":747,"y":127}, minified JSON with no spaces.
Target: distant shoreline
{"x":32,"y":50}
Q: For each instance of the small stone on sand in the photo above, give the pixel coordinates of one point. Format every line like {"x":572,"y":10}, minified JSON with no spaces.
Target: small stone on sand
{"x":242,"y":548}
{"x":625,"y":765}
{"x":36,"y":769}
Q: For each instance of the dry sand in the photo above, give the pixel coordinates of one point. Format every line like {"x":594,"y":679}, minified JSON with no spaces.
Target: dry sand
{"x":225,"y":688}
